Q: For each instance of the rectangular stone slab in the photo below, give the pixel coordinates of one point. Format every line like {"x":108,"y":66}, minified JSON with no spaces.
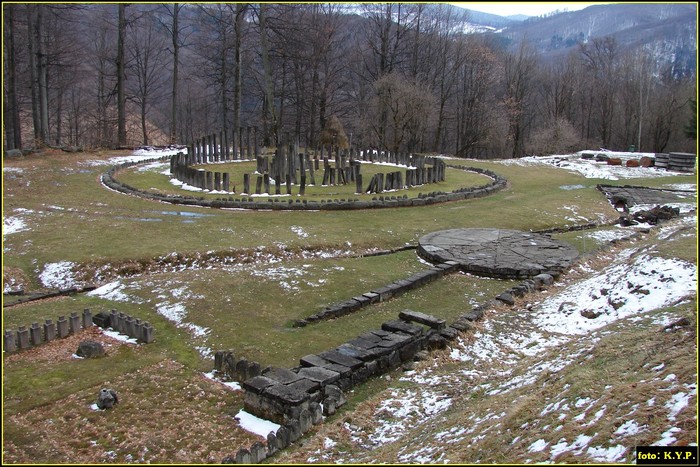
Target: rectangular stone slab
{"x":305,"y":385}
{"x":422,"y":318}
{"x":320,"y":375}
{"x":402,"y":326}
{"x":337,"y":357}
{"x":282,"y":375}
{"x":257,"y":384}
{"x":286,"y":394}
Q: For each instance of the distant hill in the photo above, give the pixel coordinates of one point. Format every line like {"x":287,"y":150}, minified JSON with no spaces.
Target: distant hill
{"x":668,"y":30}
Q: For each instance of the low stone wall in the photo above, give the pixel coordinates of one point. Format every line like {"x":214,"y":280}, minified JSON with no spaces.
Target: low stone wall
{"x":380,"y":294}
{"x":27,"y":337}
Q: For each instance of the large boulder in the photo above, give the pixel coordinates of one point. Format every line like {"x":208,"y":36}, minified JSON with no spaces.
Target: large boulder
{"x":90,"y":349}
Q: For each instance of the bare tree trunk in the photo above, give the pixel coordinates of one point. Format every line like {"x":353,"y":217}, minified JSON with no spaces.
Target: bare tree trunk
{"x":238,"y":76}
{"x":269,"y":96}
{"x":176,"y":52}
{"x":13,"y":130}
{"x":121,"y":78}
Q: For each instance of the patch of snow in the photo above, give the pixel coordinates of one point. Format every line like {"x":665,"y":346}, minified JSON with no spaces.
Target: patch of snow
{"x":299,"y":231}
{"x":607,"y":455}
{"x":120,"y":337}
{"x":114,"y":291}
{"x":11,"y":225}
{"x":678,"y":402}
{"x":232,"y":385}
{"x":629,"y":428}
{"x":667,"y":437}
{"x":537,"y":446}
{"x":259,"y":426}
{"x":58,"y":275}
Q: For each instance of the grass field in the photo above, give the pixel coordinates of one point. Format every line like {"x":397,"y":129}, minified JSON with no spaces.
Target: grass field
{"x":212,"y":279}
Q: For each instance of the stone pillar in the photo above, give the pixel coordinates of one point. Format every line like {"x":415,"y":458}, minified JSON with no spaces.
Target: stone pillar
{"x":49,"y":330}
{"x":217,"y":181}
{"x":62,"y":325}
{"x":87,"y":318}
{"x":9,"y":343}
{"x":249,"y":148}
{"x":147,"y":333}
{"x":258,"y":185}
{"x":246,"y":184}
{"x":35,"y":334}
{"x":130,"y":327}
{"x":215,"y":148}
{"x":255,"y":139}
{"x":23,"y":338}
{"x":226,"y":181}
{"x":266,"y":183}
{"x":241,"y":143}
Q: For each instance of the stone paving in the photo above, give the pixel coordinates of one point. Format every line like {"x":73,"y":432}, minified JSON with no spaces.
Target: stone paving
{"x":498,"y":253}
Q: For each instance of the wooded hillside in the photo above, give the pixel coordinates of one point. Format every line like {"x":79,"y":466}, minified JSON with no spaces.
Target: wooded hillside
{"x":398,"y":76}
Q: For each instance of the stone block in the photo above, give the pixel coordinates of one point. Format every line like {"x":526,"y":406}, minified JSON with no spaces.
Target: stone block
{"x":286,"y":394}
{"x":281,"y":375}
{"x":305,"y":385}
{"x":74,"y":323}
{"x":272,"y":447}
{"x":321,"y":375}
{"x":258,"y":452}
{"x":402,"y":326}
{"x":9,"y":342}
{"x":87,"y":318}
{"x":258,"y":384}
{"x":282,"y":437}
{"x":334,"y":356}
{"x":49,"y":330}
{"x":372,"y":296}
{"x":355,"y":352}
{"x":422,"y":318}
{"x":35,"y":334}
{"x":243,"y":456}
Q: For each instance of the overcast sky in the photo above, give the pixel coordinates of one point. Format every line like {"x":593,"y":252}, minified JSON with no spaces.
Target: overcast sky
{"x":522,"y":8}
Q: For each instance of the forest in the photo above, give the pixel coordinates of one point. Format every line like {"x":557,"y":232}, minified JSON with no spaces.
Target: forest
{"x":407,"y":77}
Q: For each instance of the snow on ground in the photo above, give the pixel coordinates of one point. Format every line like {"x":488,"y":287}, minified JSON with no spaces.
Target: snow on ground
{"x":256,"y":425}
{"x":114,"y":291}
{"x":58,"y":275}
{"x":17,"y":223}
{"x":590,"y":168}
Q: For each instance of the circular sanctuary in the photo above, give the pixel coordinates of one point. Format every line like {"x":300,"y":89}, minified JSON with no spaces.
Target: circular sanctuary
{"x":498,"y":253}
{"x":262,"y":200}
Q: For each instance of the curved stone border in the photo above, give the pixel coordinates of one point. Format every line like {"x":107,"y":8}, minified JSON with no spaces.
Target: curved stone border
{"x":498,"y":183}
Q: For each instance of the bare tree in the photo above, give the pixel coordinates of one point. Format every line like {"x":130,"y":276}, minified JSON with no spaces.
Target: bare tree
{"x":11,"y":120}
{"x":121,"y":77}
{"x":519,"y":68}
{"x":147,"y":56}
{"x":601,"y":58}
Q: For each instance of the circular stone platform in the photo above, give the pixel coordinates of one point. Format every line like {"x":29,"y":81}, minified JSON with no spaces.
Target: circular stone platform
{"x":498,"y":253}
